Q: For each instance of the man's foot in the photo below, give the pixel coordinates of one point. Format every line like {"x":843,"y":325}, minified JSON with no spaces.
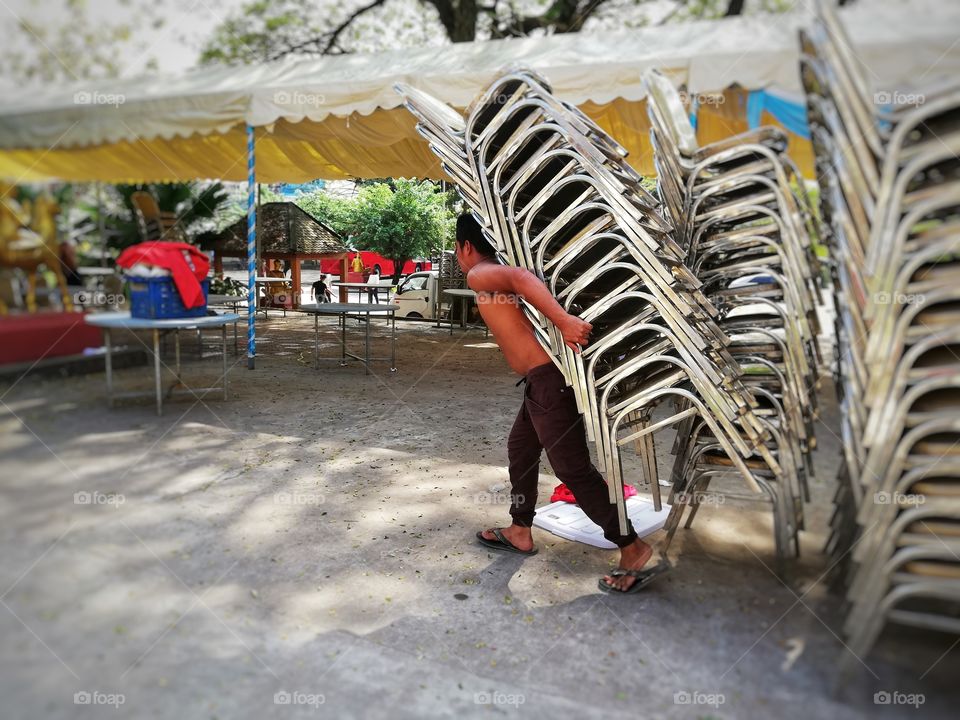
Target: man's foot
{"x":515,"y":538}
{"x":632,"y":558}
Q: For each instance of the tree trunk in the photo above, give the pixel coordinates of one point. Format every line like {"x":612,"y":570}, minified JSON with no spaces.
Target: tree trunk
{"x":734,"y":8}
{"x":459,"y":18}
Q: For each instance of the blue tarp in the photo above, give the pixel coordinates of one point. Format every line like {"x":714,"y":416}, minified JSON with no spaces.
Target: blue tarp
{"x":792,"y":115}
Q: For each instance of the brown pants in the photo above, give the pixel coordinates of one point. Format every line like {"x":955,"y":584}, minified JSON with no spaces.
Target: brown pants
{"x":549,"y":419}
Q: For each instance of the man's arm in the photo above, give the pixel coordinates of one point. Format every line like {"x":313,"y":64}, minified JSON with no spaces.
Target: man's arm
{"x":491,"y":277}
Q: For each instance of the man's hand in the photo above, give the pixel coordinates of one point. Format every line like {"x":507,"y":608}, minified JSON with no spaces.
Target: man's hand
{"x":575,"y":331}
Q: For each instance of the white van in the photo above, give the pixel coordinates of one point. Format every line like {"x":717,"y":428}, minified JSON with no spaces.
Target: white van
{"x":417,"y":295}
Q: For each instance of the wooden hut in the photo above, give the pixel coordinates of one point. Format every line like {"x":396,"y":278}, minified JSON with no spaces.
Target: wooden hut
{"x":285,"y":232}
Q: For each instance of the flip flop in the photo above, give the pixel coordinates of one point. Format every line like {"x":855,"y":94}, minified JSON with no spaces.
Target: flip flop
{"x":501,"y":543}
{"x":643,"y":578}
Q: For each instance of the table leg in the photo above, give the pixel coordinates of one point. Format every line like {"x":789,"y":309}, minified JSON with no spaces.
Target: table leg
{"x":316,"y":341}
{"x":108,"y":362}
{"x":156,"y":367}
{"x":200,"y":343}
{"x":366,"y":348}
{"x":223,"y":337}
{"x":235,"y":333}
{"x":463,"y":314}
{"x":343,"y":339}
{"x":393,"y":343}
{"x":176,"y":337}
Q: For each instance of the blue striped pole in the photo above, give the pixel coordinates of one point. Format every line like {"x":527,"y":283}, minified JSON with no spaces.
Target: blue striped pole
{"x":251,"y":251}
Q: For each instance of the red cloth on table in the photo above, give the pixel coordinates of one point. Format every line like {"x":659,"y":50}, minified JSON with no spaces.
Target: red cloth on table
{"x":562,"y":492}
{"x":186,"y":264}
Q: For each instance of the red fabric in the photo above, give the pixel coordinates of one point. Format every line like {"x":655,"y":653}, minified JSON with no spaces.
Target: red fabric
{"x":562,"y":493}
{"x":33,"y":336}
{"x":186,"y":264}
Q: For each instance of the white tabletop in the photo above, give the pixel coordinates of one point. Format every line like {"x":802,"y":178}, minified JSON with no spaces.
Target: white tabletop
{"x":460,"y":292}
{"x":225,"y":299}
{"x":94,"y":271}
{"x":273,"y":280}
{"x":341,"y":308}
{"x":380,"y":284}
{"x":124,"y":320}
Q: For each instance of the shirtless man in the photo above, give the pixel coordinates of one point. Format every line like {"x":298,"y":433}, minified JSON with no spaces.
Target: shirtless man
{"x":548,"y":418}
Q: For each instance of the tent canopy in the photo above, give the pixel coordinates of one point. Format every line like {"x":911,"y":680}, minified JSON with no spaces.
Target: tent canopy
{"x":339,"y":117}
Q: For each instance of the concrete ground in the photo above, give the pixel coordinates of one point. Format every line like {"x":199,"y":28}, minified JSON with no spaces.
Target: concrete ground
{"x":306,"y":549}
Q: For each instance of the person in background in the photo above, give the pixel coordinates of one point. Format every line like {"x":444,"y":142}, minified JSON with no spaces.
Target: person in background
{"x":356,"y":265}
{"x":320,"y":290}
{"x":373,"y":294}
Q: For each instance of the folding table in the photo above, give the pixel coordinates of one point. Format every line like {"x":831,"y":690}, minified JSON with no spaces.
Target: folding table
{"x":342,"y":310}
{"x":124,"y":321}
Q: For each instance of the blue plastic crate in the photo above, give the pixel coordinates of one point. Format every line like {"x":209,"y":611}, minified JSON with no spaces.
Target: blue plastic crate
{"x":158,"y":299}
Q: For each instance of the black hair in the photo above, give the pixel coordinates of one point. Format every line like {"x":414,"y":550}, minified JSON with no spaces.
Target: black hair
{"x":468,"y":229}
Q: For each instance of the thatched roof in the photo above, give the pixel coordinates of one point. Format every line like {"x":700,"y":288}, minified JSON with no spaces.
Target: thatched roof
{"x":283,"y":228}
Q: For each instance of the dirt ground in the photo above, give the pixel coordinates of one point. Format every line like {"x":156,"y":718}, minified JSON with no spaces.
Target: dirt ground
{"x":306,"y":549}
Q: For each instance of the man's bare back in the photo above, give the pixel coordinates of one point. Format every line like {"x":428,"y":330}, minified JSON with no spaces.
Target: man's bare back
{"x":512,"y":331}
{"x":498,"y":288}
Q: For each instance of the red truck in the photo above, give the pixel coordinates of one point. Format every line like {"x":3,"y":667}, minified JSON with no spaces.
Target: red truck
{"x":372,"y":262}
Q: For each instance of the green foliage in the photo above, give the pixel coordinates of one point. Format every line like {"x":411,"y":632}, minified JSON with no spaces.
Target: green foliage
{"x":715,"y":9}
{"x":259,"y":30}
{"x":197,"y":208}
{"x":335,"y":212}
{"x":409,"y":220}
{"x":227,"y":286}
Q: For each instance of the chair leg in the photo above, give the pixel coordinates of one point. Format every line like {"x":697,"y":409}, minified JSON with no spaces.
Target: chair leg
{"x":695,"y":502}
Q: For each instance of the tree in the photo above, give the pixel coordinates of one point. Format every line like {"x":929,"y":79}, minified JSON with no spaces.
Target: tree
{"x":408,"y":221}
{"x":335,"y":212}
{"x":267,"y":30}
{"x":74,"y":46}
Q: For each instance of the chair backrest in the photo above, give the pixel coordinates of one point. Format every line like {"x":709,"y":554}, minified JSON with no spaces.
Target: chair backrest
{"x":147,"y":212}
{"x":146,"y":204}
{"x":662,"y":92}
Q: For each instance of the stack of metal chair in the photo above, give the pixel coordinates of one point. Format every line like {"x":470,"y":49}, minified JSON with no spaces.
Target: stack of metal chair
{"x":890,"y":204}
{"x":555,"y":195}
{"x":744,"y":220}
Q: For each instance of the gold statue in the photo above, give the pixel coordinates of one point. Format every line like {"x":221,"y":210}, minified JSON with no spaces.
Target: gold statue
{"x":28,"y":239}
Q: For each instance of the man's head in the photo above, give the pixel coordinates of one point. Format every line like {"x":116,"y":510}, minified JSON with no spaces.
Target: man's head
{"x":472,"y":246}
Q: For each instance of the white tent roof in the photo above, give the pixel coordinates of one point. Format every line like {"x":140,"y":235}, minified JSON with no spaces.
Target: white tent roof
{"x":898,"y":42}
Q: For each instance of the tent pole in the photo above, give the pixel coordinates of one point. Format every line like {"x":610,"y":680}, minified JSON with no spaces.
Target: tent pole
{"x":101,"y":229}
{"x":251,"y":251}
